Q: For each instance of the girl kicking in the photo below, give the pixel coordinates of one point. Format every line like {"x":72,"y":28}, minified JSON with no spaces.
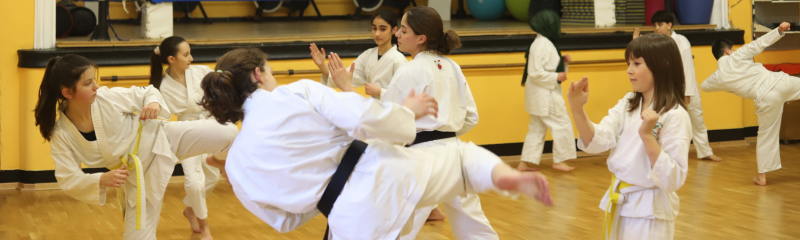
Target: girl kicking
{"x":118,"y":129}
{"x":300,"y":153}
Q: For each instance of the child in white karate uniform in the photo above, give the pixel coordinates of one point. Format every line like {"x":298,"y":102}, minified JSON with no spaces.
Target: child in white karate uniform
{"x":545,"y":70}
{"x":648,"y":133}
{"x":739,"y":74}
{"x":118,"y":129}
{"x":663,"y":22}
{"x":300,"y":153}
{"x":374,"y":67}
{"x":422,"y":36}
{"x":180,"y":87}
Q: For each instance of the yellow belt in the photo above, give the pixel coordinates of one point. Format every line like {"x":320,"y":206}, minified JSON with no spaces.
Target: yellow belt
{"x":131,"y":161}
{"x":614,"y":197}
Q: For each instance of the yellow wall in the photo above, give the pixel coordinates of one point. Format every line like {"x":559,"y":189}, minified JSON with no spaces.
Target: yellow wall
{"x":10,"y":79}
{"x":497,"y":91}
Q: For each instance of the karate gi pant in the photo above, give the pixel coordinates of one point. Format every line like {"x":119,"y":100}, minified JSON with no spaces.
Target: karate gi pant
{"x":199,"y":178}
{"x":464,"y":212}
{"x":188,"y":138}
{"x":769,"y":108}
{"x":699,"y":131}
{"x":563,"y":138}
{"x":628,"y":228}
{"x":384,"y":193}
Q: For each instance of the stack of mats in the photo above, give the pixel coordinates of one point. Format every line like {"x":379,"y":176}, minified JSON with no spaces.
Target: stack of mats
{"x":577,"y":12}
{"x":630,"y":12}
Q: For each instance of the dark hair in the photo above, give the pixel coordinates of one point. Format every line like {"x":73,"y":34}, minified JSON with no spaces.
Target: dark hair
{"x":664,"y":16}
{"x":61,"y":72}
{"x":391,"y":17}
{"x":226,"y":88}
{"x":426,"y":21}
{"x":719,"y":46}
{"x":662,"y":57}
{"x":168,"y":47}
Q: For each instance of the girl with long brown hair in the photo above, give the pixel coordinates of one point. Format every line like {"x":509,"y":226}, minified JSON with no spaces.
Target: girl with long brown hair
{"x":648,"y":133}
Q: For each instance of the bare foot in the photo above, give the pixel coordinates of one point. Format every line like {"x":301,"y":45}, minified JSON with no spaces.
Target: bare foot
{"x":524,"y":167}
{"x":713,"y":157}
{"x":435,"y":215}
{"x":760,"y":179}
{"x":205,"y":233}
{"x":532,"y":184}
{"x":563,"y":167}
{"x":189,"y":214}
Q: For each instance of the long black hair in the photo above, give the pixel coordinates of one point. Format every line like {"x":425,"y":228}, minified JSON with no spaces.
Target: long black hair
{"x":168,"y":47}
{"x":61,"y":72}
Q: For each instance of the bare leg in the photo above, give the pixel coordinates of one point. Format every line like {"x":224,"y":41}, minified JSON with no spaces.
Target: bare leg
{"x":436,"y":215}
{"x":214,"y":162}
{"x":189,"y":214}
{"x":205,"y":230}
{"x":198,"y":225}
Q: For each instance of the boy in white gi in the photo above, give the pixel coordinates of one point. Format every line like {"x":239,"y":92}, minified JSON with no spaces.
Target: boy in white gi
{"x":663,"y":22}
{"x":739,"y":74}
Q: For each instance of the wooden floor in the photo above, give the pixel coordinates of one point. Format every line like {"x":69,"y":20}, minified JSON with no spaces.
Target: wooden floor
{"x":276,"y":31}
{"x":718,"y":202}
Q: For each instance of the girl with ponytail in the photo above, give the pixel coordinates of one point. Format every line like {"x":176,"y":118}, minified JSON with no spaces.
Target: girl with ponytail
{"x":422,"y":35}
{"x":118,"y":129}
{"x":297,"y":154}
{"x":179,"y":84}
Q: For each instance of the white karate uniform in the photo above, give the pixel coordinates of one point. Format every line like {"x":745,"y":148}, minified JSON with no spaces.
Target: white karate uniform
{"x":442,"y":78}
{"x":546,"y":106}
{"x":738,"y":74}
{"x":648,"y":208}
{"x":162,"y":144}
{"x":183,"y":100}
{"x":694,"y":107}
{"x":372,"y":69}
{"x":294,"y":137}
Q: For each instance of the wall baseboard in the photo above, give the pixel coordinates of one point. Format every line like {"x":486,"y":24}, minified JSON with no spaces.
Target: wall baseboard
{"x":25,"y":179}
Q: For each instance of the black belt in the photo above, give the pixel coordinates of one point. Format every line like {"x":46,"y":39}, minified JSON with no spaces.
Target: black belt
{"x":434,"y":135}
{"x":339,"y":178}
